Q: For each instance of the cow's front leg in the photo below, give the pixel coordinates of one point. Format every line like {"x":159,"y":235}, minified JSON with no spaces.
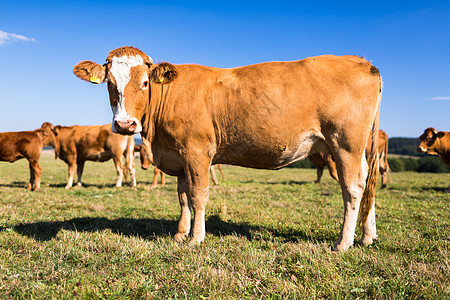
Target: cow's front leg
{"x":71,"y":166}
{"x":184,"y":225}
{"x":80,"y":168}
{"x":119,"y":169}
{"x":198,"y":193}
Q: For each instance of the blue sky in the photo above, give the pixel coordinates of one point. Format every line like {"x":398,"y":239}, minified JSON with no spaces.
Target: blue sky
{"x":41,"y":41}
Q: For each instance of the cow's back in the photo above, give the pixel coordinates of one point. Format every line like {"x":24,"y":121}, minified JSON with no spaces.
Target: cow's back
{"x":270,"y":114}
{"x":98,"y":143}
{"x":17,"y":145}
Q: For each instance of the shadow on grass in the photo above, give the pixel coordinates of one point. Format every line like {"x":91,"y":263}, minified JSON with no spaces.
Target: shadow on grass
{"x":285,"y":182}
{"x":153,"y":228}
{"x":15,"y":184}
{"x":89,"y":185}
{"x":433,"y":188}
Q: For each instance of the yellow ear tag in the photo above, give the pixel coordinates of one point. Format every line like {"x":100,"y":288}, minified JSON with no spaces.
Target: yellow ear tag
{"x":94,"y":79}
{"x":161,"y":80}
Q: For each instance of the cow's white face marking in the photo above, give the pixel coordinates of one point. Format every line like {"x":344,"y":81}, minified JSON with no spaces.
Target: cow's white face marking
{"x":121,"y":70}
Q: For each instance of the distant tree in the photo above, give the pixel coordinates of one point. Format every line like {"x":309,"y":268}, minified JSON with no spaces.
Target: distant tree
{"x":302,"y":164}
{"x":396,"y":164}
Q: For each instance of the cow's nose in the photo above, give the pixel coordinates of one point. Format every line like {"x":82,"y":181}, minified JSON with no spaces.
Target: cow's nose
{"x":144,"y":167}
{"x":125,"y":127}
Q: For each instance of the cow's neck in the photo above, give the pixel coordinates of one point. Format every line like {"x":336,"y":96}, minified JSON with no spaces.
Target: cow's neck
{"x":155,"y":111}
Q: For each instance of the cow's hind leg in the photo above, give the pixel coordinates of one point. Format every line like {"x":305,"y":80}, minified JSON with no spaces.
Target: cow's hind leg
{"x":352,"y":170}
{"x":319,"y":174}
{"x":32,"y":176}
{"x":213,"y":175}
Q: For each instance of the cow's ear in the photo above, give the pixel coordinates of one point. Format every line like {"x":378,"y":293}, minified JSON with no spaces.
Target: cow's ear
{"x":440,"y":134}
{"x":56,"y":129}
{"x":90,"y":71}
{"x":164,"y":73}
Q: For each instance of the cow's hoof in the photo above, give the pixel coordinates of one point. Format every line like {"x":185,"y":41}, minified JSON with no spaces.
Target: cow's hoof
{"x":194,"y":242}
{"x":367,"y":240}
{"x":67,"y":187}
{"x":37,"y":190}
{"x":180,"y":237}
{"x":79,"y":184}
{"x":29,"y":187}
{"x":339,"y":247}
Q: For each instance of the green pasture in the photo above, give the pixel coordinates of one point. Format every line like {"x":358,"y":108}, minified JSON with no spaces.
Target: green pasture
{"x":269,"y":235}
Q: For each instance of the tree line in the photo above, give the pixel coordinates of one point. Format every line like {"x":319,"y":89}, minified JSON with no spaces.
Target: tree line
{"x":412,"y":161}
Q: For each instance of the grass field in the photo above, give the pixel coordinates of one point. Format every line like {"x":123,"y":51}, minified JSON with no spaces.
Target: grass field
{"x":269,"y":235}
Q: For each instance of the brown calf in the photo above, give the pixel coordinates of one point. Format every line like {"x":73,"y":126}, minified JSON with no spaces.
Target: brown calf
{"x":262,"y":116}
{"x":436,"y":143}
{"x":321,"y":160}
{"x":77,"y":144}
{"x":26,"y":144}
{"x":145,"y":165}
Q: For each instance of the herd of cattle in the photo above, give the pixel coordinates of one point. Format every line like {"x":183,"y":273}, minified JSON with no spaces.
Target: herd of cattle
{"x":263,"y":116}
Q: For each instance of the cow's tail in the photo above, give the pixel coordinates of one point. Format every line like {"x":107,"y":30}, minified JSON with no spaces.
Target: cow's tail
{"x":368,"y":197}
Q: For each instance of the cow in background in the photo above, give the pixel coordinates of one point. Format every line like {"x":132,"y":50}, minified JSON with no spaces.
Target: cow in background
{"x":77,"y":144}
{"x":145,"y":165}
{"x":321,"y":160}
{"x":26,"y":144}
{"x":436,"y":143}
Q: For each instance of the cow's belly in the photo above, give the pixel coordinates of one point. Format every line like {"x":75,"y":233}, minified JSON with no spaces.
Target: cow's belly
{"x":100,"y":156}
{"x":168,"y":161}
{"x":271,"y":155}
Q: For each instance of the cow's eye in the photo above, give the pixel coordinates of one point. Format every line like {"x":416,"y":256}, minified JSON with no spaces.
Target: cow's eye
{"x":144,"y":84}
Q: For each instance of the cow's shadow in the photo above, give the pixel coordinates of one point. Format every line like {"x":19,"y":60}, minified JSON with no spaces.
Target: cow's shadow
{"x":284,"y":182}
{"x":15,"y":184}
{"x":152,"y":228}
{"x":86,"y":185}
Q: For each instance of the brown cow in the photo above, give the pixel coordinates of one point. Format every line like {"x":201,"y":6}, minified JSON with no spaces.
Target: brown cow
{"x":145,"y":165}
{"x":321,"y":160}
{"x":436,"y":143}
{"x":77,"y":144}
{"x":260,"y":116}
{"x":28,"y":144}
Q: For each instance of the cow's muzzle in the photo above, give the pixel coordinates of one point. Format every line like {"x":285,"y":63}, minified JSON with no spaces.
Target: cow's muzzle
{"x":421,"y":149}
{"x":125,"y":127}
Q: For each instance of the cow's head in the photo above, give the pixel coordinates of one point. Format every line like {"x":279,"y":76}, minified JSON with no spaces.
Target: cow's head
{"x":54,"y":142}
{"x":145,"y":162}
{"x":128,"y":72}
{"x":49,"y":137}
{"x":429,"y":141}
